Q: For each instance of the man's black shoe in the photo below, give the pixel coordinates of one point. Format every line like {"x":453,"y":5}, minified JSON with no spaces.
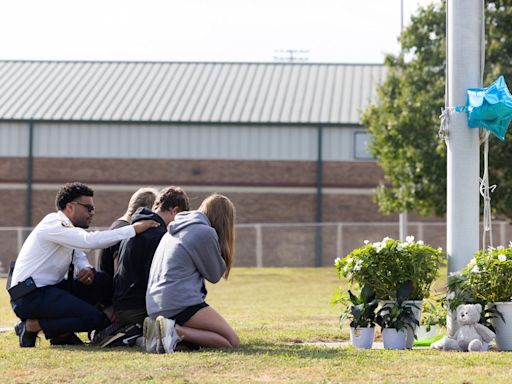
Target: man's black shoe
{"x":70,"y":339}
{"x":27,"y":339}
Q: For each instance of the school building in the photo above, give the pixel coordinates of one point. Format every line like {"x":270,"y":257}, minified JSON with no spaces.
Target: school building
{"x":282,"y":140}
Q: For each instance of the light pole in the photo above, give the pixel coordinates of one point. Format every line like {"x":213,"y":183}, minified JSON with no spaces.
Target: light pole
{"x":402,"y":219}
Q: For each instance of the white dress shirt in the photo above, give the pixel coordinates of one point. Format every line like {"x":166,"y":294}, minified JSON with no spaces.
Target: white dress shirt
{"x":46,"y":254}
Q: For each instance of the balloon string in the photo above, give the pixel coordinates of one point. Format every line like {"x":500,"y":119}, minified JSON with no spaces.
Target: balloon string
{"x":445,"y":115}
{"x":485,"y":191}
{"x":445,"y":122}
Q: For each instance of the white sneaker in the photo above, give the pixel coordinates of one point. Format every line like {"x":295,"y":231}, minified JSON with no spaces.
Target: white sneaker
{"x":149,"y":332}
{"x":167,"y":334}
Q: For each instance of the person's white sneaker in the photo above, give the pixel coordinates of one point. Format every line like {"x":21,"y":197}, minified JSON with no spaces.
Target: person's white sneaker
{"x":167,"y":335}
{"x":149,"y":332}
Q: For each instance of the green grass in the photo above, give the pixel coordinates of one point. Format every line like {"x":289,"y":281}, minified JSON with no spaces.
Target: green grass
{"x":282,"y":316}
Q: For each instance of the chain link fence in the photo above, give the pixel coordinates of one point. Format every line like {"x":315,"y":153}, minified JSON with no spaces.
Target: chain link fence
{"x":292,"y":244}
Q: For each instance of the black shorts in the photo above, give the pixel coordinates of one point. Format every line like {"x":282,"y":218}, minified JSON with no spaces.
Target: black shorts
{"x":185,"y":315}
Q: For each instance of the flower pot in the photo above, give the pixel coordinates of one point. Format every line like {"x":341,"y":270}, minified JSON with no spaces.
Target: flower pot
{"x":422,"y":333}
{"x":394,"y":339}
{"x":503,"y":329}
{"x":417,"y":314}
{"x":362,"y":337}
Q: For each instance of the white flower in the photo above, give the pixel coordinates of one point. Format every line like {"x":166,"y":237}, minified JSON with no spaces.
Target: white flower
{"x":450,"y":296}
{"x":510,"y":244}
{"x":454,"y":273}
{"x":350,"y":260}
{"x":420,"y":242}
{"x":502,"y":257}
{"x":386,"y":239}
{"x":475,"y":269}
{"x":337,"y":261}
{"x":345,"y":269}
{"x":500,"y":247}
{"x":472,"y":262}
{"x":366,"y":242}
{"x":399,"y":247}
{"x":409,"y":239}
{"x":358,"y":265}
{"x":379,"y":246}
{"x":439,"y":249}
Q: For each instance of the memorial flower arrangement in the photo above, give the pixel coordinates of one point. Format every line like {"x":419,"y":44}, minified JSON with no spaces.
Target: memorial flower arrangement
{"x":486,"y":278}
{"x":385,"y":265}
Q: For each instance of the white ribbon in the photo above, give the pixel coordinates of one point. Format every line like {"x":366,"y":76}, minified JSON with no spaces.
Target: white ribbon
{"x":485,"y":192}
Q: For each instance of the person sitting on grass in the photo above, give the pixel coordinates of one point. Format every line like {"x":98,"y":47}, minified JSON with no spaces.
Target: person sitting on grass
{"x":40,"y":295}
{"x":199,"y":245}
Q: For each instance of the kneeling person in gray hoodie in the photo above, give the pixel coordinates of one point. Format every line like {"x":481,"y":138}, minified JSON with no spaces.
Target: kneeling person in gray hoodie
{"x":199,"y":245}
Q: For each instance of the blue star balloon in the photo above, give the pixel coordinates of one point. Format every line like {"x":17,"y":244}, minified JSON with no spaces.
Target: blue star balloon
{"x":490,"y":108}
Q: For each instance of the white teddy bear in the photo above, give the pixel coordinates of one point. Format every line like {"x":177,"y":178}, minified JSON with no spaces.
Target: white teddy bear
{"x":470,"y":334}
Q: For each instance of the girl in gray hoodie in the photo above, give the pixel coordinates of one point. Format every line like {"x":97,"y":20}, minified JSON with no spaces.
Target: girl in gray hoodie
{"x":199,"y":245}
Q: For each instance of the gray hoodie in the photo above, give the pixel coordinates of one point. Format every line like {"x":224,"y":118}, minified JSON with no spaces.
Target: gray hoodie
{"x":187,"y":254}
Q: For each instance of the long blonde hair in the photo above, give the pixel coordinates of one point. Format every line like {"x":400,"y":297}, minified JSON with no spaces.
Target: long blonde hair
{"x":221,"y":213}
{"x":143,"y":197}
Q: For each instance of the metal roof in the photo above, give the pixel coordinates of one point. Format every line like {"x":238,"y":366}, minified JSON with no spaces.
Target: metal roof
{"x":187,"y":92}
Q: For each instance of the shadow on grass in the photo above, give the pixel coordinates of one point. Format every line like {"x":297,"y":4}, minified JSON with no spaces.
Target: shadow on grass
{"x":295,"y":351}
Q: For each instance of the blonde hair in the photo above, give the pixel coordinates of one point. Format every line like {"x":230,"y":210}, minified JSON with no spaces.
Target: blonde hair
{"x":143,"y":197}
{"x":221,"y":213}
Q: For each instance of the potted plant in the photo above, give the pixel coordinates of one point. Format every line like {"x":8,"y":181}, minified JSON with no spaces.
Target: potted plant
{"x":433,"y":316}
{"x":396,"y":317}
{"x":387,"y":264}
{"x":487,"y":280}
{"x":361,"y":311}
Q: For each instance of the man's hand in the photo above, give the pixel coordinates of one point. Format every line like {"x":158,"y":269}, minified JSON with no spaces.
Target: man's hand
{"x":86,"y":276}
{"x":141,"y":226}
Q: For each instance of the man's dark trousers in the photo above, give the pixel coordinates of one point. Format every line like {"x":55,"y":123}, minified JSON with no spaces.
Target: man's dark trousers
{"x":60,"y":312}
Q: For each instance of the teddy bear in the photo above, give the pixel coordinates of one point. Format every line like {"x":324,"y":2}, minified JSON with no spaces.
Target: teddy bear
{"x":470,"y":334}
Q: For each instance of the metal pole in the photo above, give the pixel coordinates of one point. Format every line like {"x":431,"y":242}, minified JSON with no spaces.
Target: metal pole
{"x":402,"y":223}
{"x":402,"y":219}
{"x":30,"y":166}
{"x":464,"y":21}
{"x":319,"y":184}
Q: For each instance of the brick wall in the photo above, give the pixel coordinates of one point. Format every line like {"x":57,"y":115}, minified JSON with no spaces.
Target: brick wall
{"x":253,"y":205}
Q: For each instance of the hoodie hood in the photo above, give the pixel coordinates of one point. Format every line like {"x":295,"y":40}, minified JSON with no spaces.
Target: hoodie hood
{"x":184,"y":219}
{"x":147,"y":214}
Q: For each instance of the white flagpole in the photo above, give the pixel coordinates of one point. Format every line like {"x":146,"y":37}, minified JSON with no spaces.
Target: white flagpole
{"x":464,"y":28}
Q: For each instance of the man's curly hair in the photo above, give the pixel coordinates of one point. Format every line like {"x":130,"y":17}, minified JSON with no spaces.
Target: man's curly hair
{"x":70,"y":192}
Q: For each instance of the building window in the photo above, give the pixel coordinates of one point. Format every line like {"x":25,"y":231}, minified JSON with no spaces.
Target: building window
{"x":361,"y":152}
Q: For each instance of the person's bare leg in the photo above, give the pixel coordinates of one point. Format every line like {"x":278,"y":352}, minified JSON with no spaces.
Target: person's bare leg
{"x":209,"y":329}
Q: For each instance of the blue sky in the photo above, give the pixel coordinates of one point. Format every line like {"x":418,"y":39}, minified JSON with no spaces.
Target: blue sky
{"x":202,"y":30}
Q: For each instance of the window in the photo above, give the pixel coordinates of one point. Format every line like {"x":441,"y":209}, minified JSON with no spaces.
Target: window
{"x":361,"y":152}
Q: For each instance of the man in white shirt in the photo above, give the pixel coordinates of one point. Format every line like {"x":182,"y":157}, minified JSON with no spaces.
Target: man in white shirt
{"x":40,"y":296}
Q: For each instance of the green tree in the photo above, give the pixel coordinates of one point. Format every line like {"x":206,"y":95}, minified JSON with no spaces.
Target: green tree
{"x":405,"y":120}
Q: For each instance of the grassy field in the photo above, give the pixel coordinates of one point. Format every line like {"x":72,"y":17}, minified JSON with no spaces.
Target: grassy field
{"x":283,"y":317}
